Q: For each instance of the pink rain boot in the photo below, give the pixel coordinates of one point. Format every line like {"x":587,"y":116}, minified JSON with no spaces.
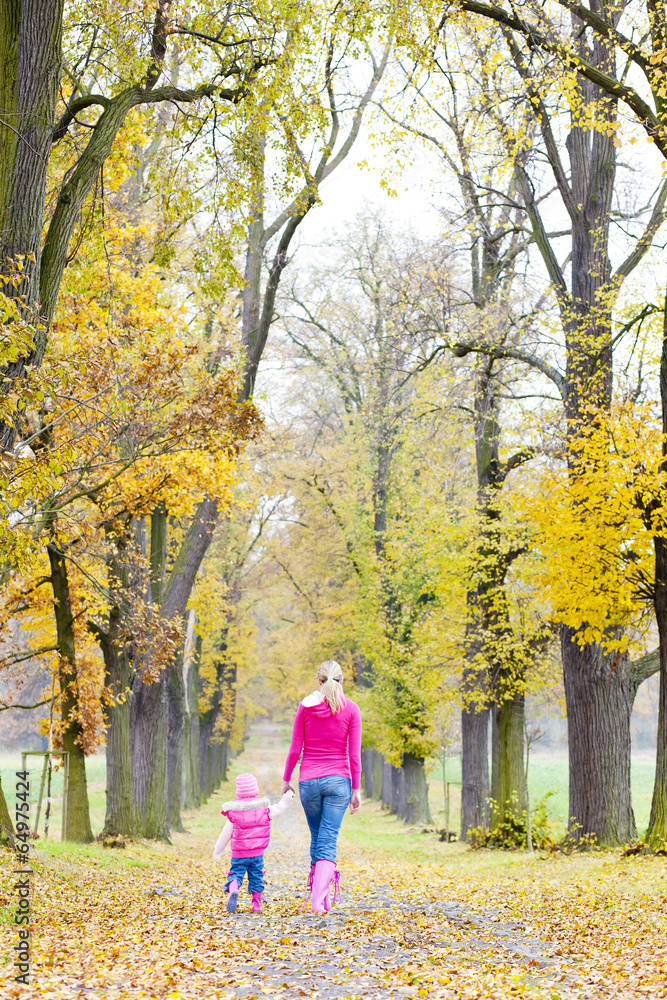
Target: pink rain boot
{"x":256,"y":902}
{"x":324,"y":872}
{"x":233,"y":900}
{"x":310,"y":877}
{"x":328,"y":903}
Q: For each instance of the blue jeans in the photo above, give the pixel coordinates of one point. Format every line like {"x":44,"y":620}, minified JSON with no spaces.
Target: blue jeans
{"x":324,"y":802}
{"x":255,"y":869}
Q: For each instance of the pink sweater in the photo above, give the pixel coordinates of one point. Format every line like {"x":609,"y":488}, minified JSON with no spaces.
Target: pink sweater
{"x":331,"y":743}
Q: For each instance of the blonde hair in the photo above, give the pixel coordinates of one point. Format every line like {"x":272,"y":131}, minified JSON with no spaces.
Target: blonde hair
{"x":330,"y":675}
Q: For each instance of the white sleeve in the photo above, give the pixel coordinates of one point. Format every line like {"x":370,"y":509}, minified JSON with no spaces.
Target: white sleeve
{"x":278,"y":808}
{"x":222,"y":840}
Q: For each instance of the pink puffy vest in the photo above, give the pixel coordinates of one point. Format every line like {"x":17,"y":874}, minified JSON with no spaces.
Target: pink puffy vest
{"x":251,"y":826}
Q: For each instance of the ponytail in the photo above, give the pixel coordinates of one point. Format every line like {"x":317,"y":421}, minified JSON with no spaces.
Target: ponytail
{"x":330,"y":676}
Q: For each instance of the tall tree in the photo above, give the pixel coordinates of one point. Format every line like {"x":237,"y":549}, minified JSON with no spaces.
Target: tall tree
{"x":493,"y":246}
{"x":598,"y":685}
{"x":31,"y":80}
{"x":366,"y":336}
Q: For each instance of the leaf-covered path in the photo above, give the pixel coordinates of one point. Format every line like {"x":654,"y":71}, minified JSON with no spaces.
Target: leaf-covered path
{"x":150,"y":922}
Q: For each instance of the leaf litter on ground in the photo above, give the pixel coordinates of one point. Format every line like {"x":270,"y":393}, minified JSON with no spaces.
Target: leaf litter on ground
{"x":150,"y":922}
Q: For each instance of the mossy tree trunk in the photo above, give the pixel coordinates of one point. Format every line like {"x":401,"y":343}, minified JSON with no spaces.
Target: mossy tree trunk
{"x":474,"y":763}
{"x":416,"y":790}
{"x":368,"y":771}
{"x":386,"y":784}
{"x":508,"y":779}
{"x":150,"y":701}
{"x":119,"y":817}
{"x":398,"y":803}
{"x":78,"y":826}
{"x":191,"y":797}
{"x":176,"y":698}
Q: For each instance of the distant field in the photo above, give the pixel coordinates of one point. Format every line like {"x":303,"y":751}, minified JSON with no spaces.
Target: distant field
{"x":95,"y":771}
{"x":548,"y":773}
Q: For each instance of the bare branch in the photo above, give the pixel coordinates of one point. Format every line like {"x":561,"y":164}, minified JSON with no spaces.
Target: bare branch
{"x":646,"y":666}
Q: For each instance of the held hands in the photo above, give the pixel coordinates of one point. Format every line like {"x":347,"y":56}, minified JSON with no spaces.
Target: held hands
{"x":355,"y":800}
{"x":287,"y":787}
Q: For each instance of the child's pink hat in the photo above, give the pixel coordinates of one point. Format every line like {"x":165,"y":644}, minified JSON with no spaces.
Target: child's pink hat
{"x":246,"y":786}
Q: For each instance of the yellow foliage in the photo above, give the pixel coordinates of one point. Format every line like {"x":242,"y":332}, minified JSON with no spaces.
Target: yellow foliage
{"x":594,"y":525}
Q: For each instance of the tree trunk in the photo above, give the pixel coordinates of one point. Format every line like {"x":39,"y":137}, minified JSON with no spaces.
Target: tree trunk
{"x":150,"y":715}
{"x":398,"y":801}
{"x":508,"y":780}
{"x":225,"y":756}
{"x":386,"y":784}
{"x":656,"y":835}
{"x":30,"y":67}
{"x":416,"y":790}
{"x":209,"y":766}
{"x":78,"y":826}
{"x":378,"y":767}
{"x":175,"y":743}
{"x":474,"y":761}
{"x":118,"y":818}
{"x":191,"y":798}
{"x":205,"y":750}
{"x":148,"y":742}
{"x":657,"y":827}
{"x":368,"y":770}
{"x":599,"y":692}
{"x":6,"y":825}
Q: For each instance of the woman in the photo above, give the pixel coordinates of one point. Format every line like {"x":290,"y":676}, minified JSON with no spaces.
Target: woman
{"x":327,"y":728}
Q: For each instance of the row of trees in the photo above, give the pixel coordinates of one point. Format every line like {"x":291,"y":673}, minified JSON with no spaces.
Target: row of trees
{"x":468,"y":469}
{"x":597,"y":540}
{"x":131,"y":359}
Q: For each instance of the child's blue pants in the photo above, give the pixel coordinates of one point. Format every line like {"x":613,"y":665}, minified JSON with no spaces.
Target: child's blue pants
{"x":255,"y":869}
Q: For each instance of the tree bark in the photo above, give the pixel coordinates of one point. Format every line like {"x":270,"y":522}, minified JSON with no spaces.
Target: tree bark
{"x":119,"y":819}
{"x":657,"y":827}
{"x":150,"y":715}
{"x":78,"y":826}
{"x":656,"y":835}
{"x":474,"y":763}
{"x":386,"y":784}
{"x":599,"y":689}
{"x":191,"y":798}
{"x":508,"y":781}
{"x":368,"y":769}
{"x":398,"y":799}
{"x":30,"y":67}
{"x":416,"y":790}
{"x":148,"y":743}
{"x":175,"y":743}
{"x":378,"y":767}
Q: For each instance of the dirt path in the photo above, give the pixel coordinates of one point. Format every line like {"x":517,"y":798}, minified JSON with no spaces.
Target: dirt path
{"x":377,"y":942}
{"x":149,"y":923}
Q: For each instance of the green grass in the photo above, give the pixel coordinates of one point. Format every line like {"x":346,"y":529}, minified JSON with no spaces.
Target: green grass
{"x":548,"y":773}
{"x":10,"y":763}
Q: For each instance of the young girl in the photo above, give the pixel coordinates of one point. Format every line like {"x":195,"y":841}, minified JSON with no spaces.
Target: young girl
{"x":248,"y":827}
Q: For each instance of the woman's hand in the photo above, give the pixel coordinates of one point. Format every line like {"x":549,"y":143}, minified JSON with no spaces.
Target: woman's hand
{"x":287,"y":787}
{"x":355,"y":800}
